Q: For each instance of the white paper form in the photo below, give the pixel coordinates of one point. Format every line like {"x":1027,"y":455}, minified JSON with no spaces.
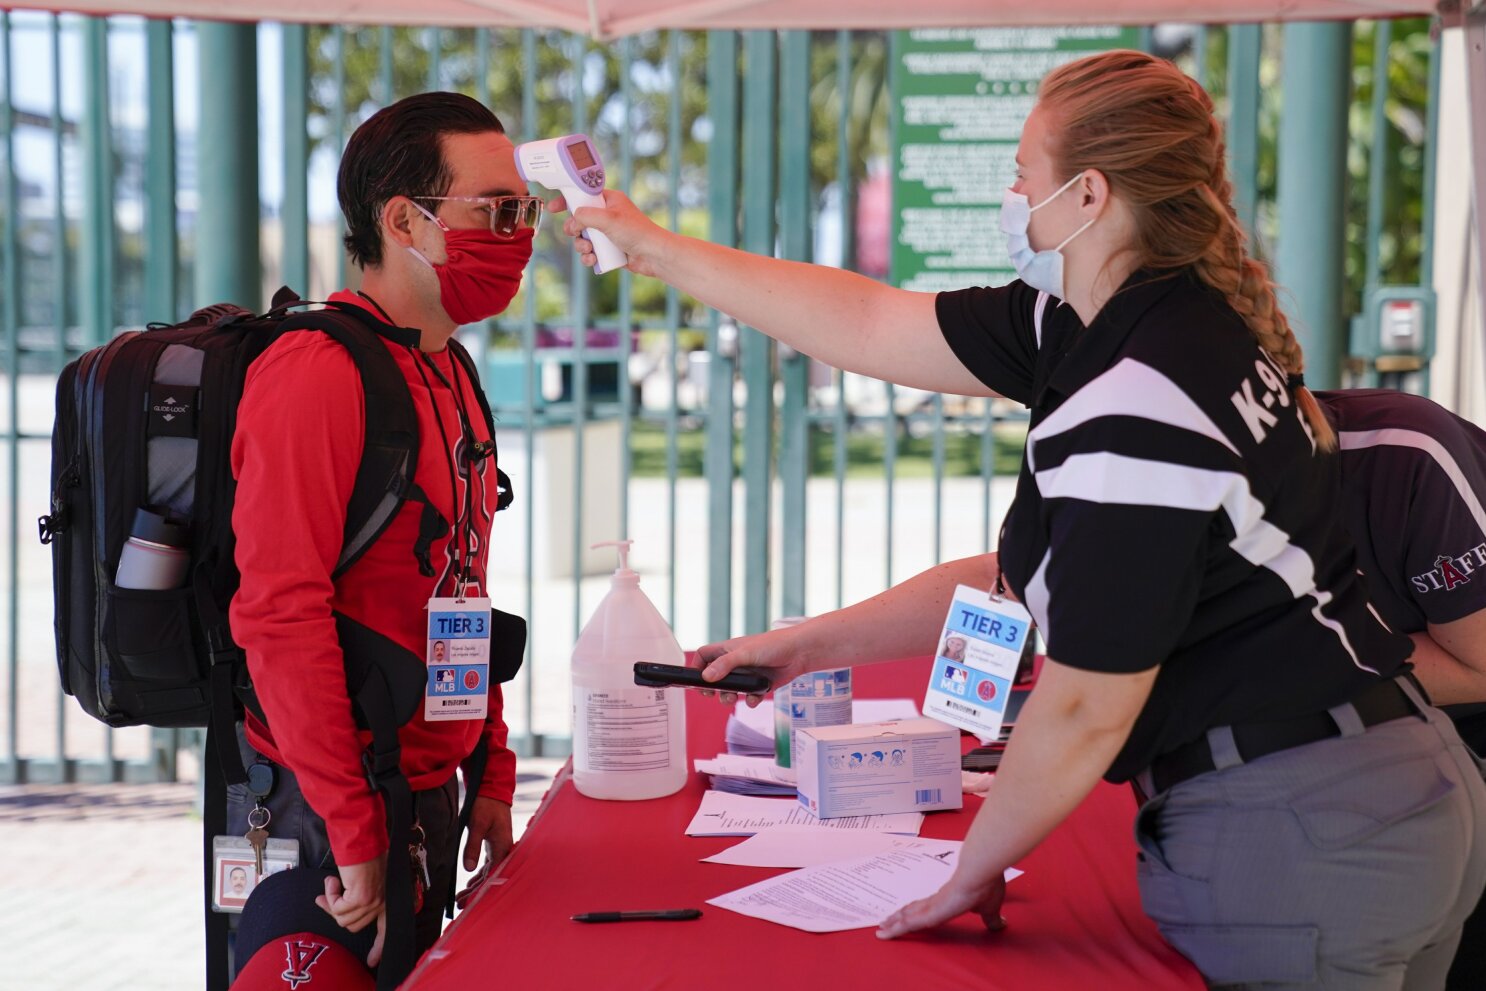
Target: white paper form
{"x":853,"y":894}
{"x":753,"y":768}
{"x":724,"y":814}
{"x":809,"y":846}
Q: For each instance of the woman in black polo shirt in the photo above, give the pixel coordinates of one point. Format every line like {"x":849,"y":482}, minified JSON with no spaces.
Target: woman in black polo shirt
{"x":1313,"y":823}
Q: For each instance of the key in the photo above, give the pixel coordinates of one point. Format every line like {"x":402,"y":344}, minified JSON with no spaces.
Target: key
{"x":257,"y":834}
{"x":419,"y":858}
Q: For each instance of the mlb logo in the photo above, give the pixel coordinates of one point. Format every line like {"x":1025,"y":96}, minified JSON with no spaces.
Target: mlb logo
{"x":953,"y":681}
{"x":443,"y":681}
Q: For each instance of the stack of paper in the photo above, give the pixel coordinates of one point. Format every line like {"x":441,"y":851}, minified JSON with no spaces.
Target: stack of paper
{"x":739,"y":775}
{"x":750,"y":731}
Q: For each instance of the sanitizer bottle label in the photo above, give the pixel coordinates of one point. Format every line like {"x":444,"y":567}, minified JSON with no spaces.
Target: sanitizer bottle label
{"x":621,"y":729}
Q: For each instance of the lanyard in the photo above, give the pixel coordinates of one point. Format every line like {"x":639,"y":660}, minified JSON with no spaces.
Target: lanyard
{"x":473,"y":453}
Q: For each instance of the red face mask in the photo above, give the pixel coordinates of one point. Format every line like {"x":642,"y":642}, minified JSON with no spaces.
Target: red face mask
{"x":482,"y":273}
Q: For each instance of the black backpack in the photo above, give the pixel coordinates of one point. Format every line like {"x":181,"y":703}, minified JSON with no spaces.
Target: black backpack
{"x":146,"y":422}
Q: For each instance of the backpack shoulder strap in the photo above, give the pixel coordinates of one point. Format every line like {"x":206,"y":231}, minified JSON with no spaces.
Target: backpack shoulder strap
{"x":506,"y":492}
{"x":390,"y":456}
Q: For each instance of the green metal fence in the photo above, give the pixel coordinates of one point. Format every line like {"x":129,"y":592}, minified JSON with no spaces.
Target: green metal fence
{"x":759,"y":483}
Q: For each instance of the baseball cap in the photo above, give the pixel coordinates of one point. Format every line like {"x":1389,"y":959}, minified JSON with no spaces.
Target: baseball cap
{"x":288,"y":943}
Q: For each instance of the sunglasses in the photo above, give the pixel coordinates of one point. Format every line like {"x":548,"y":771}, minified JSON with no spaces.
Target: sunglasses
{"x":509,"y":215}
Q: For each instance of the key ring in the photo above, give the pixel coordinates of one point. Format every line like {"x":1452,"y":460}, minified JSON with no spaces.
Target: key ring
{"x":253,"y":813}
{"x":417,"y":831}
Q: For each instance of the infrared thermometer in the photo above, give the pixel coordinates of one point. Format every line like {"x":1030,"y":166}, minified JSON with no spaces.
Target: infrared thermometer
{"x":570,"y":166}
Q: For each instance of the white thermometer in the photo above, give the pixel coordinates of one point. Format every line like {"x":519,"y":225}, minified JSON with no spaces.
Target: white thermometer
{"x":570,"y":166}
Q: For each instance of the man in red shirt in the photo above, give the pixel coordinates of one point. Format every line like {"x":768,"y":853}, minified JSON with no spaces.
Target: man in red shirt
{"x":439,"y":222}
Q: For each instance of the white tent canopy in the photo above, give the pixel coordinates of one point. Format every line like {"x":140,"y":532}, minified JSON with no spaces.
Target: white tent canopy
{"x":613,"y":18}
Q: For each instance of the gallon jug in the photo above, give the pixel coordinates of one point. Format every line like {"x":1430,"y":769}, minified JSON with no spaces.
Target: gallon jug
{"x":629,"y":742}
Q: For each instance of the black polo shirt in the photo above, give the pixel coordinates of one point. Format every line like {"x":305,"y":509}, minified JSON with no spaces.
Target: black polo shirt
{"x":1172,"y":509}
{"x":1413,"y":485}
{"x":1413,"y":488}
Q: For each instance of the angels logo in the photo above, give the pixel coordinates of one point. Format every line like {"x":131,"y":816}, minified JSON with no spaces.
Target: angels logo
{"x":1451,"y":574}
{"x":301,"y":956}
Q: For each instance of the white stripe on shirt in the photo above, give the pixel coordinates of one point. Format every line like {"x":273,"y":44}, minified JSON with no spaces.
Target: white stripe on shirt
{"x":1130,"y":388}
{"x":1116,"y":479}
{"x":1356,"y":440}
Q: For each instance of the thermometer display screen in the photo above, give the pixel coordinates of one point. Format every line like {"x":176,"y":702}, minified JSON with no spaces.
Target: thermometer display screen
{"x":582,"y":155}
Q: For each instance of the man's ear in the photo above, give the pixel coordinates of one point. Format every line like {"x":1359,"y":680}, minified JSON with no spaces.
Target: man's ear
{"x":397,"y":221}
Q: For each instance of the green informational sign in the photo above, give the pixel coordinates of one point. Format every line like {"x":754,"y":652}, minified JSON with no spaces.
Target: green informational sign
{"x":962,"y":95}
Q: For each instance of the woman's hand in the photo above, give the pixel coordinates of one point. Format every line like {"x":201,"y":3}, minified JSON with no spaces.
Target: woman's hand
{"x":631,"y":231}
{"x":776,"y":655}
{"x":959,"y":895}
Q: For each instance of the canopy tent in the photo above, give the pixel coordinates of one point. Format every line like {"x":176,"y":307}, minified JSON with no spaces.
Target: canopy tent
{"x":613,"y":18}
{"x":604,"y":19}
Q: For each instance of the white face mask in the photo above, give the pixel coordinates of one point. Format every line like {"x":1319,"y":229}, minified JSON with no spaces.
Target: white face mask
{"x":1042,"y":270}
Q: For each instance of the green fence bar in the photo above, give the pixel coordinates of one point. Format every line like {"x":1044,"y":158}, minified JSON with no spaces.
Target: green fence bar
{"x":435,"y":42}
{"x":338,"y":123}
{"x":1312,"y":185}
{"x":1431,"y":143}
{"x":1199,"y":54}
{"x":1377,"y":164}
{"x":627,"y":291}
{"x":10,"y":321}
{"x":386,"y":84}
{"x":794,"y":368}
{"x":673,"y":313}
{"x":1244,"y":46}
{"x":60,"y":283}
{"x":987,"y":472}
{"x":482,"y":65}
{"x":580,"y":284}
{"x":722,"y":211}
{"x":845,"y":187}
{"x":98,"y":200}
{"x":528,"y":401}
{"x":760,"y":106}
{"x":294,"y":218}
{"x":160,"y":260}
{"x":228,"y":259}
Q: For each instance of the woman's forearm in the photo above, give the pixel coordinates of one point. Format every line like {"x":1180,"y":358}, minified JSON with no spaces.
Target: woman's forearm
{"x":1447,"y":678}
{"x":904,"y":621}
{"x":1067,"y":735}
{"x":846,"y":320}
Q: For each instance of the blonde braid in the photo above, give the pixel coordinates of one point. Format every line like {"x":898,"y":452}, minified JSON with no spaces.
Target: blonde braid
{"x":1245,"y":283}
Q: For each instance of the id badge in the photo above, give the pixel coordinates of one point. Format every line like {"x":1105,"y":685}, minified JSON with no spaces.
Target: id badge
{"x":235,"y":869}
{"x":976,"y":661}
{"x":458,"y":659}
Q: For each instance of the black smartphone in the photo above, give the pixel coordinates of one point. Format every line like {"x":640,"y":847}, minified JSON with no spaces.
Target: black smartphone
{"x":661,"y":675}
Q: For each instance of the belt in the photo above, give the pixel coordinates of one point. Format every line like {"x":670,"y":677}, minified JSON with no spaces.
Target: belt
{"x":1381,"y":702}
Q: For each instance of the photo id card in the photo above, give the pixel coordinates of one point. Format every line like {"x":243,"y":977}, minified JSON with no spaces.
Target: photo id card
{"x":235,"y":869}
{"x":458,"y":659}
{"x":976,"y":661}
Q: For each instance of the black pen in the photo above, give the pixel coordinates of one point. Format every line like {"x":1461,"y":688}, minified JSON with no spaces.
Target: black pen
{"x":662,"y":915}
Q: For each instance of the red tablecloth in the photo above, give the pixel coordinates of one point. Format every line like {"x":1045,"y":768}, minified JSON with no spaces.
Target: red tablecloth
{"x":1073,"y":920}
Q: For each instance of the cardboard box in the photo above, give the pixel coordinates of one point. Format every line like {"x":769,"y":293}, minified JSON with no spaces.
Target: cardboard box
{"x":906,"y":765}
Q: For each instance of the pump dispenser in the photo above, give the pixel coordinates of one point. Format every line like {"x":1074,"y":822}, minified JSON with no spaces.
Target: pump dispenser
{"x":629,"y":742}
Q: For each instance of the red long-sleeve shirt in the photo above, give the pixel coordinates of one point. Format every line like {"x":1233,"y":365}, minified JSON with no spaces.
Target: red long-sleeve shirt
{"x":298,"y":442}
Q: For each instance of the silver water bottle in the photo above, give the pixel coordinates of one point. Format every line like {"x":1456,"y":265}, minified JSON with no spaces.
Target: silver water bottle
{"x":155,"y":556}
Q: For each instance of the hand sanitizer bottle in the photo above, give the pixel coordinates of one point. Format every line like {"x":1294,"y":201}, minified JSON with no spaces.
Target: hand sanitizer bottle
{"x":629,"y":742}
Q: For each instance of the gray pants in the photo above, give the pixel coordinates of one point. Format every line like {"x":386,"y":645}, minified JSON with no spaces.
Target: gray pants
{"x":1346,"y":865}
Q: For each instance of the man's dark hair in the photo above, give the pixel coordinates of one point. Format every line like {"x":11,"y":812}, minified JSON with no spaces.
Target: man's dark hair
{"x":398,"y":151}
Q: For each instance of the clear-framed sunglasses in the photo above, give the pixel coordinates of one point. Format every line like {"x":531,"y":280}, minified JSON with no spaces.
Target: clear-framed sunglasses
{"x":509,"y":215}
